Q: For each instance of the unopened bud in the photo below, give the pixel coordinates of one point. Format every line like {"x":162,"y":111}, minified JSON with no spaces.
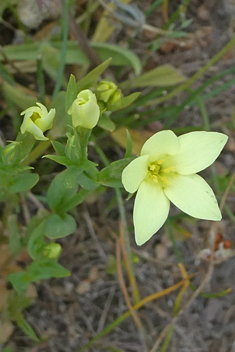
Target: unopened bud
{"x":85,"y":111}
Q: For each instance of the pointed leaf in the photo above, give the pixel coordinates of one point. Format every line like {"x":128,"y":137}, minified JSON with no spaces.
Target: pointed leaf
{"x":163,"y":76}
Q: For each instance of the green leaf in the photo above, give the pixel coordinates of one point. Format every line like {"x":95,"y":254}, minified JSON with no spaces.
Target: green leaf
{"x":59,"y":148}
{"x":128,"y":145}
{"x":51,"y":61}
{"x":34,"y":223}
{"x":63,"y":187}
{"x":62,"y":119}
{"x":15,"y":303}
{"x":19,"y":280}
{"x":162,"y":76}
{"x":86,"y":182}
{"x":15,"y":242}
{"x":28,"y":330}
{"x":62,"y":160}
{"x":45,"y":269}
{"x":91,"y":78}
{"x":26,"y":142}
{"x":120,"y":56}
{"x":126,"y":101}
{"x":111,"y":175}
{"x":106,"y":123}
{"x":17,"y":95}
{"x":76,"y":200}
{"x":60,"y":226}
{"x":36,"y":243}
{"x":22,"y":182}
{"x":71,"y":92}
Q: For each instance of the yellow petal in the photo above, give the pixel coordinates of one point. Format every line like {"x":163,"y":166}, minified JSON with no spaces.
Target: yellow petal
{"x":198,"y":150}
{"x":135,"y":173}
{"x":46,"y":122}
{"x":193,"y":196}
{"x":35,"y":131}
{"x":160,"y":144}
{"x":150,"y":211}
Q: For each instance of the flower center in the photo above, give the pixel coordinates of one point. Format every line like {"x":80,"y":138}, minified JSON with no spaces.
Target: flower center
{"x":34,"y":117}
{"x":157,"y":172}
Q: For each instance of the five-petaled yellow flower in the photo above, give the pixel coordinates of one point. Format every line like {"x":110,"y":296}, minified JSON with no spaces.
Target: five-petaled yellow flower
{"x":166,"y":171}
{"x":37,"y":120}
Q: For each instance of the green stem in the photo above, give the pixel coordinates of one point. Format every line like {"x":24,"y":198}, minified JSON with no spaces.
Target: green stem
{"x":136,"y":294}
{"x":203,"y":111}
{"x":36,"y":153}
{"x":176,"y":249}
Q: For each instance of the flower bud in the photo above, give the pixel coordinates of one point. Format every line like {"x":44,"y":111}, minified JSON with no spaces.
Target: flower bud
{"x":72,"y":148}
{"x":10,"y":153}
{"x":37,"y":120}
{"x":108,"y":93}
{"x":52,"y":251}
{"x":85,"y":111}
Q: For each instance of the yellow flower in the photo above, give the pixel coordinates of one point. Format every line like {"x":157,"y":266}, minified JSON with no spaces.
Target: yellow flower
{"x":37,"y":120}
{"x":166,"y":171}
{"x":85,"y":111}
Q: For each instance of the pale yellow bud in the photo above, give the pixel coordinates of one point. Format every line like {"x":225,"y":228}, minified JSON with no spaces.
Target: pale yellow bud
{"x":85,"y":111}
{"x":52,"y":251}
{"x":105,"y":90}
{"x":37,"y":120}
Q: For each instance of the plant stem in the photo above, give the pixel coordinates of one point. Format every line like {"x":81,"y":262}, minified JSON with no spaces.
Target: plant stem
{"x":122,"y":214}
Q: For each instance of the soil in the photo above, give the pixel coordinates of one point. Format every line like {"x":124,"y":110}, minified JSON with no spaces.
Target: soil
{"x":71,"y":311}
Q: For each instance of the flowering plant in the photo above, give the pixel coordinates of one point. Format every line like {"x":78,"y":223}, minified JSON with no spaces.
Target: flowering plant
{"x":166,"y":171}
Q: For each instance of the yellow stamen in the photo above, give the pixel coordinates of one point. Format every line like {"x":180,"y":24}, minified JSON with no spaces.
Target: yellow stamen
{"x":155,"y":178}
{"x":169,"y":169}
{"x":164,"y":180}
